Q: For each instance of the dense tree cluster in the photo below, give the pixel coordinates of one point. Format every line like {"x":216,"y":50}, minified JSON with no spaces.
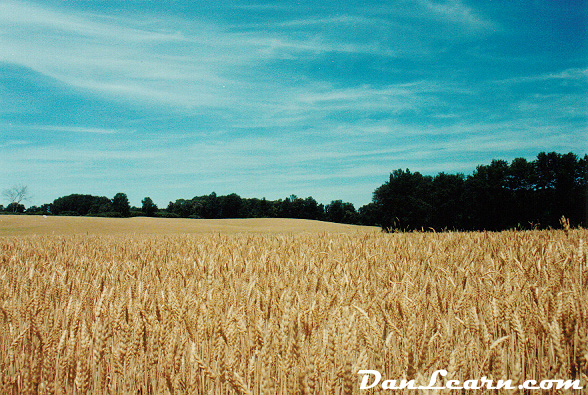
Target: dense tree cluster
{"x":77,"y":204}
{"x":233,"y":206}
{"x":523,"y":195}
{"x":497,"y":196}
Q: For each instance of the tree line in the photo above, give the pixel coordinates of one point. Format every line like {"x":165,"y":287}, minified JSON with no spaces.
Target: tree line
{"x":520,"y":195}
{"x":517,"y":195}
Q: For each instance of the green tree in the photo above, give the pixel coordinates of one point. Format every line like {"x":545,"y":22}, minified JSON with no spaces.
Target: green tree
{"x":559,"y":190}
{"x":101,"y":205}
{"x":148,"y":207}
{"x":311,"y":209}
{"x":404,"y":202}
{"x":488,"y":198}
{"x":15,"y":208}
{"x":231,"y":206}
{"x":76,"y":204}
{"x":181,"y":208}
{"x":341,"y":212}
{"x":120,"y":204}
{"x":369,"y":214}
{"x":33,"y":210}
{"x":447,"y":201}
{"x":582,"y":185}
{"x":520,"y":182}
{"x":212,"y":206}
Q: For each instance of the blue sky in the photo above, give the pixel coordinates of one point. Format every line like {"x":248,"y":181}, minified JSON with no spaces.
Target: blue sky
{"x":177,"y":99}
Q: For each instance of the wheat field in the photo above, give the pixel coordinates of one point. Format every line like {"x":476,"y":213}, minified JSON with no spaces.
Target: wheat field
{"x":288,"y":313}
{"x":23,"y":225}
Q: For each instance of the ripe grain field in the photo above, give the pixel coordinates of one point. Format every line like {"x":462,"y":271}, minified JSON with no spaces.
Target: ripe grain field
{"x":288,"y":313}
{"x":22,"y":225}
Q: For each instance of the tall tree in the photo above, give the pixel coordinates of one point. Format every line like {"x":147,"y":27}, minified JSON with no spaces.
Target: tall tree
{"x":342,"y":212}
{"x":487,"y":197}
{"x":559,"y":187}
{"x":404,"y":202}
{"x":583,"y":188}
{"x":148,"y":207}
{"x":231,"y":206}
{"x":520,"y":182}
{"x":120,"y":204}
{"x":447,"y":201}
{"x":15,"y":208}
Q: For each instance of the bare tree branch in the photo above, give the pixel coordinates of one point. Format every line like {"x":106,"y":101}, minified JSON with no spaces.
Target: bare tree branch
{"x":16,"y":194}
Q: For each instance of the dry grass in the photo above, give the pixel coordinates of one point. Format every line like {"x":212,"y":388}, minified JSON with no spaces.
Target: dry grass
{"x":20,"y":225}
{"x":288,"y":314}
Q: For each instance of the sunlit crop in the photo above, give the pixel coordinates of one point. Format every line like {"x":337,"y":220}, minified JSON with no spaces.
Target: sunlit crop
{"x":288,"y":313}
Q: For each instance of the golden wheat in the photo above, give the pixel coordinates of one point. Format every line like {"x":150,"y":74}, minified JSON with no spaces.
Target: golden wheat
{"x":288,"y":313}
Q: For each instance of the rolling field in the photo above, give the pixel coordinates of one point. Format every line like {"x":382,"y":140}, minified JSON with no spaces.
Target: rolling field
{"x":255,"y":309}
{"x":19,"y":225}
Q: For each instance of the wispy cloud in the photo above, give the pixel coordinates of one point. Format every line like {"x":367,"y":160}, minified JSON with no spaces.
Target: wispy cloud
{"x":573,"y":74}
{"x":17,"y":14}
{"x":547,"y":97}
{"x":197,"y":67}
{"x":330,"y":20}
{"x":14,"y":143}
{"x":182,"y":63}
{"x":109,"y":56}
{"x":76,"y":129}
{"x":457,"y":12}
